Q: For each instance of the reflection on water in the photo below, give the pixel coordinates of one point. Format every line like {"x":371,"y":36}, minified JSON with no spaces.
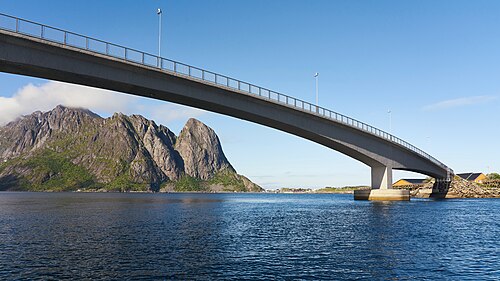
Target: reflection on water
{"x":245,"y":236}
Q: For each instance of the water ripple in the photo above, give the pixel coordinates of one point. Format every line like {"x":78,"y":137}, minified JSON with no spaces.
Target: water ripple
{"x":245,"y":237}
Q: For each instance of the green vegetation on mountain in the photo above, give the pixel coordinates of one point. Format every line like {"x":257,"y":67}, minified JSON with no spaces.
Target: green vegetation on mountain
{"x":51,"y":171}
{"x":189,"y":184}
{"x":229,"y":181}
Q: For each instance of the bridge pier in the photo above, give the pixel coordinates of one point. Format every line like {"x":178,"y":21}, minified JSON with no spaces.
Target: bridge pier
{"x":440,"y":188}
{"x":381,"y":177}
{"x":381,"y":188}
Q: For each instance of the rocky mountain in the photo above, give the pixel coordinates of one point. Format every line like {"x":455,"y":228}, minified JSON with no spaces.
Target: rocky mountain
{"x":75,"y":149}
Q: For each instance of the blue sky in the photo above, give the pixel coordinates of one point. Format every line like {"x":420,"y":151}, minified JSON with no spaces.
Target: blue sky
{"x":434,"y":64}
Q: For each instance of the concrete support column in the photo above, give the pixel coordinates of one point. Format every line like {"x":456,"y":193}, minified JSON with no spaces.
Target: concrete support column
{"x":440,"y":188}
{"x":381,"y":177}
{"x":382,"y":187}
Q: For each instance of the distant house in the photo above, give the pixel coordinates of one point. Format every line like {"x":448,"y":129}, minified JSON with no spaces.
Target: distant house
{"x":407,"y":182}
{"x":475,"y":177}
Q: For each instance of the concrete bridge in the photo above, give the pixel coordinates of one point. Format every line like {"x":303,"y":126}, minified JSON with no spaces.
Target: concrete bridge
{"x":33,"y":49}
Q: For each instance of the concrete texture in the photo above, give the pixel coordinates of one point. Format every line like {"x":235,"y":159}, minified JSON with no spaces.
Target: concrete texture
{"x":382,"y":195}
{"x":381,"y":177}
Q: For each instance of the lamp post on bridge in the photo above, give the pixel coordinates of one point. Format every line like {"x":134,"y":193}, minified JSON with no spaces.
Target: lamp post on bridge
{"x":159,"y":13}
{"x":316,"y":75}
{"x":390,"y":121}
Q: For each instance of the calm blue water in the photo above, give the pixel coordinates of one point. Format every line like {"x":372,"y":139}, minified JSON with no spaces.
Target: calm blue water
{"x":245,"y":236}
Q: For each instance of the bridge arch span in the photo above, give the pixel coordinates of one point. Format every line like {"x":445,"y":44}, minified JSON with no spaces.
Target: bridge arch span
{"x":38,"y":57}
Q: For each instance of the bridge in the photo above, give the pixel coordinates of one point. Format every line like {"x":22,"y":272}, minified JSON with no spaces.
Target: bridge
{"x":33,"y":49}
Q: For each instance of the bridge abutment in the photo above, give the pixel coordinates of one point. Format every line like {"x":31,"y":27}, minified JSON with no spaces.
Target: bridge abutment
{"x":381,"y":187}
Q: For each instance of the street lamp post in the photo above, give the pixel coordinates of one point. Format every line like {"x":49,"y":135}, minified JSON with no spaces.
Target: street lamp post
{"x":158,"y":12}
{"x":390,"y":120}
{"x":316,"y":75}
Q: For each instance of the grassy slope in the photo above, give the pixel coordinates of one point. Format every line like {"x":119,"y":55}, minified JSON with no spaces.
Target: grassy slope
{"x":52,"y":171}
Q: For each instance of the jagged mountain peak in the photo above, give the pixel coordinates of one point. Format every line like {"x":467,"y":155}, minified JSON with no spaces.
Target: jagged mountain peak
{"x":201,"y":150}
{"x":62,"y":110}
{"x":119,"y":150}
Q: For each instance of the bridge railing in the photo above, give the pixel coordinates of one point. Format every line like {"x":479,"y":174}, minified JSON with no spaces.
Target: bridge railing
{"x":71,"y":39}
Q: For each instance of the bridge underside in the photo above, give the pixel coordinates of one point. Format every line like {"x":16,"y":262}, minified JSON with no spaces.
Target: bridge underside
{"x":33,"y":57}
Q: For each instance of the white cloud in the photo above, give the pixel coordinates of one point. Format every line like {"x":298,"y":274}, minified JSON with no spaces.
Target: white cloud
{"x":167,"y":112}
{"x":459,"y":102}
{"x":45,"y":97}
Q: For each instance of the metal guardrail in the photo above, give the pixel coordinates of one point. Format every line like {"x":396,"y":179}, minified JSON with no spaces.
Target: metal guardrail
{"x":67,"y":38}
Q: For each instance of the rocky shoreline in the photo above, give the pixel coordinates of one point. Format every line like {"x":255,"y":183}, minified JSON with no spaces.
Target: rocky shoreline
{"x":459,"y":188}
